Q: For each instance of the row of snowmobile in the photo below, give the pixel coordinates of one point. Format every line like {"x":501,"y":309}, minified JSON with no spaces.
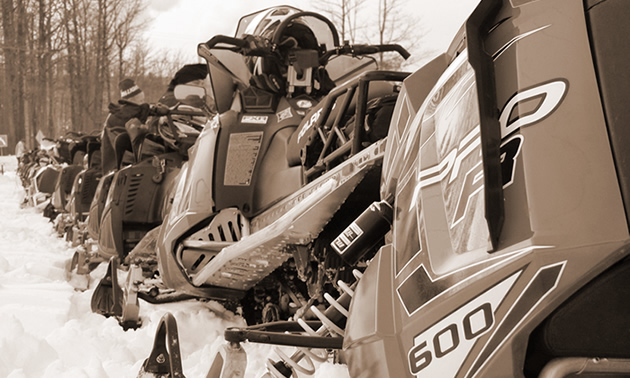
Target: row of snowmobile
{"x":469,"y":219}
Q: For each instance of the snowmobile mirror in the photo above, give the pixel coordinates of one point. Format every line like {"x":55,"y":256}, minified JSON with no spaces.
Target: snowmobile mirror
{"x":184,"y":91}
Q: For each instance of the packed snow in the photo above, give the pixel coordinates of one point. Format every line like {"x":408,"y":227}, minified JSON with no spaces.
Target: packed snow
{"x":47,"y":328}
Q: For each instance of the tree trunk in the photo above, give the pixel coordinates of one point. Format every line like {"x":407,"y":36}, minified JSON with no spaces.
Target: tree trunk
{"x":10,"y":70}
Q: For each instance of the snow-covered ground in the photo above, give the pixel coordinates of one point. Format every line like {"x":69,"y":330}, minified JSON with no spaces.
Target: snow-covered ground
{"x":47,"y":328}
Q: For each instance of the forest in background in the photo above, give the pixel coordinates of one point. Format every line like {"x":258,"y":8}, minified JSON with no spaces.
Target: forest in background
{"x":61,"y":60}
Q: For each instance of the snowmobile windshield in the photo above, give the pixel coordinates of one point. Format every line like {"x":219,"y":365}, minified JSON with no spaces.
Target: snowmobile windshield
{"x":265,"y":23}
{"x":256,"y":23}
{"x":227,"y":71}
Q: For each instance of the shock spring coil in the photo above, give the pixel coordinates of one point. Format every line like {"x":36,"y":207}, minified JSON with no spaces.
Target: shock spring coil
{"x":336,"y":312}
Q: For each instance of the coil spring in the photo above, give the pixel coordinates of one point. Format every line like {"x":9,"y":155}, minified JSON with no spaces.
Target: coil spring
{"x":328,"y":327}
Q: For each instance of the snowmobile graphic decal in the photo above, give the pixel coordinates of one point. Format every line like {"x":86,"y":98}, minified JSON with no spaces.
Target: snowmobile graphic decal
{"x":442,"y":349}
{"x":541,"y":285}
{"x":449,"y":163}
{"x":420,"y":287}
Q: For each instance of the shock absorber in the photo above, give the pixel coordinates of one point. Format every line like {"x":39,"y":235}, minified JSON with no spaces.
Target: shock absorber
{"x":331,"y":326}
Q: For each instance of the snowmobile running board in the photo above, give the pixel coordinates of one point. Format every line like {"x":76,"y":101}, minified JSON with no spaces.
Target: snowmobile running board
{"x":296,"y":220}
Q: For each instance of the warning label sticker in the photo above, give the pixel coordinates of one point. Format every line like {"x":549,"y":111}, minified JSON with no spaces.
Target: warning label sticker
{"x":241,"y":159}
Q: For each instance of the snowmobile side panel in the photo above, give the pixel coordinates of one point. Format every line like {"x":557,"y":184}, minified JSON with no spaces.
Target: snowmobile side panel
{"x":244,"y":142}
{"x":46,"y":179}
{"x":83,"y":192}
{"x":275,"y":180}
{"x":63,"y":188}
{"x":458,"y":310}
{"x":98,"y":204}
{"x":599,"y":309}
{"x":297,"y":219}
{"x":608,"y":26}
{"x":136,"y":203}
{"x":373,"y":333}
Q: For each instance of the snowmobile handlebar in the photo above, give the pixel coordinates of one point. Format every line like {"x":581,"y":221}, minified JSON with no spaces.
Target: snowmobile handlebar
{"x":258,"y":46}
{"x":249,"y":46}
{"x":163,"y":110}
{"x":364,"y":50}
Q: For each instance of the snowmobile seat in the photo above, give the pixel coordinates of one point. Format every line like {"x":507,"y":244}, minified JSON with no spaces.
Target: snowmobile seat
{"x":64,"y":184}
{"x":149,"y":145}
{"x":93,"y":151}
{"x":594,"y":322}
{"x":46,"y":180}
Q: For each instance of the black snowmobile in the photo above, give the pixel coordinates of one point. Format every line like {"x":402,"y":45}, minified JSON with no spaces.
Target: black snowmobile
{"x":131,"y":201}
{"x":48,"y":171}
{"x":39,"y":171}
{"x":81,"y":151}
{"x":507,"y":175}
{"x":136,"y":196}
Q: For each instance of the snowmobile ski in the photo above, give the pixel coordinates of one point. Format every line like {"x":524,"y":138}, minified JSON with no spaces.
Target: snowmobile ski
{"x":165,"y":359}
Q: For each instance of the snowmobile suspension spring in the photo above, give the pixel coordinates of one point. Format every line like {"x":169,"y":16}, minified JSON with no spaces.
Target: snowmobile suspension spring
{"x":331,"y":318}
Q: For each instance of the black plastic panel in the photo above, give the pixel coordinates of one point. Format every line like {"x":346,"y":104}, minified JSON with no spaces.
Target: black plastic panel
{"x":609,"y":30}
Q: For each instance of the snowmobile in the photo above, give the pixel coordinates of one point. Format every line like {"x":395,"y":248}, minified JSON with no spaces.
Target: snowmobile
{"x":297,"y":144}
{"x":135,"y":205}
{"x":83,"y":190}
{"x":136,"y":197}
{"x":73,"y":150}
{"x":128,"y":202}
{"x":507,"y":242}
{"x":39,"y":173}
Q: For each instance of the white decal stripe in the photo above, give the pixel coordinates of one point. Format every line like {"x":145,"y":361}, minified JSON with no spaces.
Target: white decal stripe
{"x":458,"y":162}
{"x":505,"y":258}
{"x":511,"y":42}
{"x":563,"y":264}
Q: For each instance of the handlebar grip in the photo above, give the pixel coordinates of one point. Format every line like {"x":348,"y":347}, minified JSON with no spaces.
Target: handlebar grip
{"x":158,"y":110}
{"x":238,"y":42}
{"x":364,"y":50}
{"x":371,"y":49}
{"x":163,"y":110}
{"x":397,"y":48}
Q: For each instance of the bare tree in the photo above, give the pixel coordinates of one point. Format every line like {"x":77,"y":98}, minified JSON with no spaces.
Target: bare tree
{"x":14,"y":48}
{"x":128,"y":26}
{"x":396,"y":26}
{"x":60,"y":61}
{"x":345,"y":15}
{"x":377,"y":21}
{"x":94,"y":29}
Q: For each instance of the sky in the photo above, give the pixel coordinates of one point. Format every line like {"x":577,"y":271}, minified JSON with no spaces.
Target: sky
{"x":179,"y":25}
{"x":47,"y":329}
